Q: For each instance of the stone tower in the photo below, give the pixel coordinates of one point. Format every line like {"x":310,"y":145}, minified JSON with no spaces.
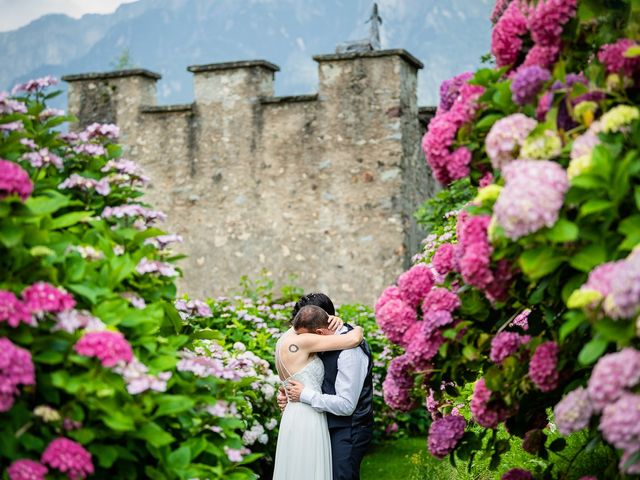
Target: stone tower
{"x":319,"y":186}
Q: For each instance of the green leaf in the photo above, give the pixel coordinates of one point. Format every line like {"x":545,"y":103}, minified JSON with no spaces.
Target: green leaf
{"x":487,"y":121}
{"x":595,"y":205}
{"x":107,"y":455}
{"x":179,"y":458}
{"x":616,"y":330}
{"x":636,"y":195}
{"x":172,"y":404}
{"x":49,"y":357}
{"x":41,"y":251}
{"x":632,"y":52}
{"x":155,"y":435}
{"x":558,"y":445}
{"x":593,"y":350}
{"x":589,"y":257}
{"x":563,"y":231}
{"x":10,"y":235}
{"x":90,"y":292}
{"x":572,"y":321}
{"x":119,"y":421}
{"x":538,"y":262}
{"x":173,"y":316}
{"x":68,"y":220}
{"x":49,"y":202}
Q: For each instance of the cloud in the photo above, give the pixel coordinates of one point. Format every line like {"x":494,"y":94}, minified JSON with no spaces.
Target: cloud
{"x":16,"y":14}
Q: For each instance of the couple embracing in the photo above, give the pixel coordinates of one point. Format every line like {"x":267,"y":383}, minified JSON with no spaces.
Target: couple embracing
{"x":327,"y":420}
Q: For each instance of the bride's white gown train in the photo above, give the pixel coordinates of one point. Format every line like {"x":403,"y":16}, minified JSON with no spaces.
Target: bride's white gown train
{"x":304,"y":447}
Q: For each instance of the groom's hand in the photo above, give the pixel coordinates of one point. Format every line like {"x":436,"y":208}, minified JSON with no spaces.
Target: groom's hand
{"x":282,"y":399}
{"x":335,"y":323}
{"x":294,"y":389}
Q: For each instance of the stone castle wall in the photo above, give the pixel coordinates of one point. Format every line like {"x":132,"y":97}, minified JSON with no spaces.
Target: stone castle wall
{"x":320,"y":186}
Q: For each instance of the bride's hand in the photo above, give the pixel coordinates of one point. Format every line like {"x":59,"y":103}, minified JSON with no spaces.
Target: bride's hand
{"x":335,"y":323}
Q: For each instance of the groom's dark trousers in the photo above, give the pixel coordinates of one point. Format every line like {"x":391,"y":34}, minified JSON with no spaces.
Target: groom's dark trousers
{"x":350,"y":435}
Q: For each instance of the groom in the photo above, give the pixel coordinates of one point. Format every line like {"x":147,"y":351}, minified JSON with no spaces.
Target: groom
{"x":347,"y":396}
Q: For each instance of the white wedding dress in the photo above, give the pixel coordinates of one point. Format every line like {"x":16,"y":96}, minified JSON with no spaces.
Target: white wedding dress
{"x":304,"y":447}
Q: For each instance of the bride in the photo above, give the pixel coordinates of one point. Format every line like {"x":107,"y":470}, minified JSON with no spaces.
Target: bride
{"x":304,"y":447}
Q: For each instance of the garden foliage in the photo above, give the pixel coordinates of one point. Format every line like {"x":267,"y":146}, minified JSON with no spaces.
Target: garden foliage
{"x":526,"y":299}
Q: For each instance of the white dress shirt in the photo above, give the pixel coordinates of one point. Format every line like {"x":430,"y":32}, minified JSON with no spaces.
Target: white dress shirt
{"x":353,"y":364}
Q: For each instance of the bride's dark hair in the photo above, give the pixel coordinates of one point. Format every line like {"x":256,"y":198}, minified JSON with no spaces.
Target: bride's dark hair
{"x":311,"y":317}
{"x":317,"y":299}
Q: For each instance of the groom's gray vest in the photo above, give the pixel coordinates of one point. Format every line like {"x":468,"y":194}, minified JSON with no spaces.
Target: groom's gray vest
{"x":363,"y":414}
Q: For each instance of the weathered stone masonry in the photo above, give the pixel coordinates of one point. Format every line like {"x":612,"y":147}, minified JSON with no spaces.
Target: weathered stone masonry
{"x":319,"y":186}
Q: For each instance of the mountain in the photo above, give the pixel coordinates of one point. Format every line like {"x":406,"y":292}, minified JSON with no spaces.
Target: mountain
{"x":448,"y":36}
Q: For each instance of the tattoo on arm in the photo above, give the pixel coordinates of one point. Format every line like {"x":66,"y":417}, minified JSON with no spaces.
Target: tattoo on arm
{"x":293,"y":348}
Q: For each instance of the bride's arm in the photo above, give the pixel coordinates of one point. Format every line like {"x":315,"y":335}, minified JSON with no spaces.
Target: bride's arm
{"x":325,"y":343}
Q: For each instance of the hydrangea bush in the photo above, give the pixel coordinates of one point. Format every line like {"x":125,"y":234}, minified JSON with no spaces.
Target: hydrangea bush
{"x":528,"y":290}
{"x":101,"y":371}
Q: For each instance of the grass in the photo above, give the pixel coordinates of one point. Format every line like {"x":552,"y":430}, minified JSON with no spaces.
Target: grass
{"x":408,"y":459}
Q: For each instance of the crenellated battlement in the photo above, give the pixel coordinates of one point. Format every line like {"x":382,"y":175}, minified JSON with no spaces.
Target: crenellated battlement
{"x":320,"y":186}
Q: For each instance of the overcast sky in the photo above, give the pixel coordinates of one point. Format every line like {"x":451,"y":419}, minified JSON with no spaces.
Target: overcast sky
{"x":16,"y":13}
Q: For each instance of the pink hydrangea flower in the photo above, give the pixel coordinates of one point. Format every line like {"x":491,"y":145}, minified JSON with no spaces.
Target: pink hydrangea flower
{"x":573,"y":412}
{"x":522,"y":320}
{"x":193,"y":308}
{"x":423,"y":346}
{"x":444,"y":435}
{"x":444,"y":260}
{"x":35,"y":85}
{"x":542,"y":367}
{"x":14,"y":180}
{"x":548,"y":18}
{"x":517,"y":474}
{"x":394,"y":318}
{"x":16,"y":368}
{"x":623,"y":300}
{"x":389,"y":293}
{"x":486,"y":413}
{"x":475,"y":251}
{"x":612,"y":375}
{"x":541,"y":56}
{"x":440,"y":299}
{"x":85,"y":184}
{"x":620,"y":422}
{"x":400,"y":368}
{"x":612,"y":57}
{"x":110,"y":347}
{"x":25,"y":469}
{"x":395,"y":396}
{"x":450,"y":89}
{"x":13,"y":311}
{"x":506,"y":37}
{"x":68,"y":457}
{"x":506,"y":137}
{"x":531,"y":198}
{"x":156,"y":266}
{"x":43,"y":158}
{"x":415,"y":283}
{"x":499,"y":9}
{"x":43,"y":297}
{"x":505,"y":344}
{"x":106,"y":130}
{"x":9,"y":106}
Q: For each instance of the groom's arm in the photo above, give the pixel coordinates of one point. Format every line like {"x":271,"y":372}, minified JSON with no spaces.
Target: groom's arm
{"x":352,"y":370}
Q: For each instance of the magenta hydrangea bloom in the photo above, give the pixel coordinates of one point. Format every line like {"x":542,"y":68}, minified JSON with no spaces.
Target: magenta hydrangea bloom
{"x":68,"y":457}
{"x":423,"y":346}
{"x":444,"y":435}
{"x":612,"y":57}
{"x":13,"y":311}
{"x":25,"y":469}
{"x":542,"y":367}
{"x":573,"y":412}
{"x":415,"y":283}
{"x":440,"y":299}
{"x":485,"y":412}
{"x":498,"y":10}
{"x":444,"y":260}
{"x":620,"y":422}
{"x":395,"y":396}
{"x":450,"y":89}
{"x":110,"y":347}
{"x":394,"y":318}
{"x":531,"y":198}
{"x":506,"y":37}
{"x":16,"y":368}
{"x":612,"y":375}
{"x":389,"y":293}
{"x":400,"y":368}
{"x":517,"y":474}
{"x":521,"y":320}
{"x":43,"y":297}
{"x":506,"y":137}
{"x":527,"y":83}
{"x":448,"y":165}
{"x":14,"y":180}
{"x":548,"y":18}
{"x":505,"y":344}
{"x":542,"y":56}
{"x":475,"y":250}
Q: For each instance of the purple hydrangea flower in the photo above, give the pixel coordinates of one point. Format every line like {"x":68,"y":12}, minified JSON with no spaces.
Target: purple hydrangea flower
{"x":620,"y":422}
{"x":506,"y":137}
{"x":612,"y":375}
{"x":444,"y":435}
{"x":505,"y":344}
{"x":573,"y":412}
{"x":528,"y":82}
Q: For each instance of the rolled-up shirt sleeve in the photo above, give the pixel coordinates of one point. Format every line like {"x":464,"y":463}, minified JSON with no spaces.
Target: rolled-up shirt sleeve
{"x":352,"y":370}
